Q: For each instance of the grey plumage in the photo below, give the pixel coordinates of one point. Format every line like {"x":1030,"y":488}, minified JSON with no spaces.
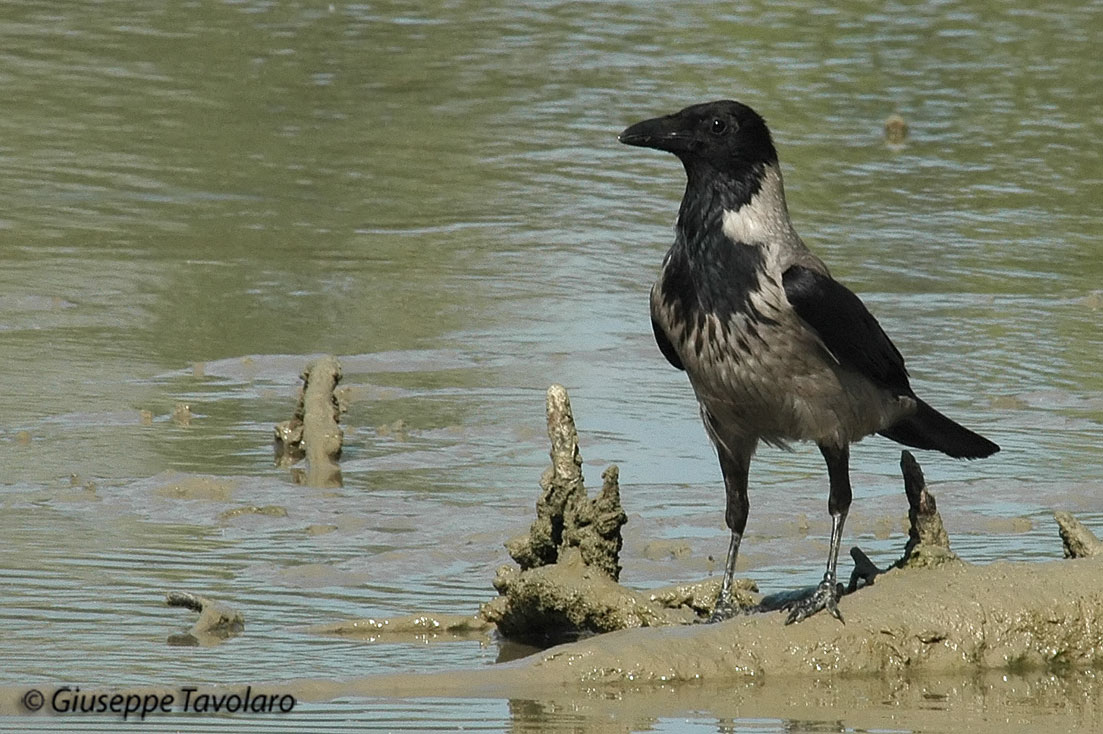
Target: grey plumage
{"x":775,"y":349}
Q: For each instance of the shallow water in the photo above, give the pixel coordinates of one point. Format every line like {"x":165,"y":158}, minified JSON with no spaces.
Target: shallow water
{"x":198,"y":198}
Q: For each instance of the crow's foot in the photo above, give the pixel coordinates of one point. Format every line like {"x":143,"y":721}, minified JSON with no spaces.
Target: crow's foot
{"x":825,"y":596}
{"x":725,"y":609}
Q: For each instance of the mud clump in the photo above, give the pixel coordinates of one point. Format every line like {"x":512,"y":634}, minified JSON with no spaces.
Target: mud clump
{"x":211,"y":489}
{"x":266,"y":510}
{"x":928,"y":543}
{"x":895,"y":129}
{"x":182,"y":415}
{"x":567,"y":600}
{"x":565,"y":517}
{"x":314,"y":431}
{"x":567,"y":584}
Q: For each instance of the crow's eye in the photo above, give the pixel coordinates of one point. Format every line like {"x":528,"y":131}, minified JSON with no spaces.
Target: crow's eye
{"x":718,"y":126}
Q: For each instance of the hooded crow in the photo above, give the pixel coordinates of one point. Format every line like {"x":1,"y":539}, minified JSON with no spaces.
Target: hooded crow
{"x":776,"y":349}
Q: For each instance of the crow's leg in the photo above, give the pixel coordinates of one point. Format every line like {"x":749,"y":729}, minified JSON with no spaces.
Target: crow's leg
{"x":827,"y":594}
{"x":735,"y":465}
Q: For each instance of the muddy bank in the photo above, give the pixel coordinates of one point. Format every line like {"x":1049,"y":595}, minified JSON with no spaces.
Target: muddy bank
{"x":930,"y":611}
{"x":566,"y":583}
{"x":1002,"y":616}
{"x":958,"y":619}
{"x":916,"y":640}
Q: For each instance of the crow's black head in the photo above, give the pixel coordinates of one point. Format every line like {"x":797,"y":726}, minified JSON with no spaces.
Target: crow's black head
{"x":723,"y":136}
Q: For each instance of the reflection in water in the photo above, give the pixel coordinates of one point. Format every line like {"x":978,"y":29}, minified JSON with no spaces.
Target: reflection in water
{"x":943,"y":703}
{"x":435,"y":194}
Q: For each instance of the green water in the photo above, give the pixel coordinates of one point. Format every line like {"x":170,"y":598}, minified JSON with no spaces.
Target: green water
{"x":198,"y":197}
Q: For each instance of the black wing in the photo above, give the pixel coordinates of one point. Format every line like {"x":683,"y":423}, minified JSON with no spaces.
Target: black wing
{"x":846,"y":327}
{"x":665,"y":346}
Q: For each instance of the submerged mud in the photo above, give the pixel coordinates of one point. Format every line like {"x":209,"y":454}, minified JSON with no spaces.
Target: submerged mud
{"x":217,"y":622}
{"x":977,"y":702}
{"x":412,"y":628}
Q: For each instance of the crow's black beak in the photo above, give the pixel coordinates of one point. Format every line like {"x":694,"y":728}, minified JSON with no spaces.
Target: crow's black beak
{"x":662,"y":133}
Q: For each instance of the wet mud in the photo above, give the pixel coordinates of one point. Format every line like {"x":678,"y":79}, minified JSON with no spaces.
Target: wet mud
{"x":930,"y":628}
{"x":1042,"y":616}
{"x":413,"y":628}
{"x":210,"y":489}
{"x":565,"y":586}
{"x":935,"y":649}
{"x":565,"y":583}
{"x":930,"y":612}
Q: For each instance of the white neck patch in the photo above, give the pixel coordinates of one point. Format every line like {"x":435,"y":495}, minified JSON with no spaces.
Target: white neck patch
{"x":762,"y":219}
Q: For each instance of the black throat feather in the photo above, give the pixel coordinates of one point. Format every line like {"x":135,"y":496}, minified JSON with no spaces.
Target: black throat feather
{"x":707,"y":273}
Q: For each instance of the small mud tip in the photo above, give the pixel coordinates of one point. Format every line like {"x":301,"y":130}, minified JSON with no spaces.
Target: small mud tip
{"x":217,"y":622}
{"x":1078,"y":541}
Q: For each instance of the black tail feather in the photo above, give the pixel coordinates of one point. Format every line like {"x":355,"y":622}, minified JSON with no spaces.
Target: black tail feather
{"x":929,"y":429}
